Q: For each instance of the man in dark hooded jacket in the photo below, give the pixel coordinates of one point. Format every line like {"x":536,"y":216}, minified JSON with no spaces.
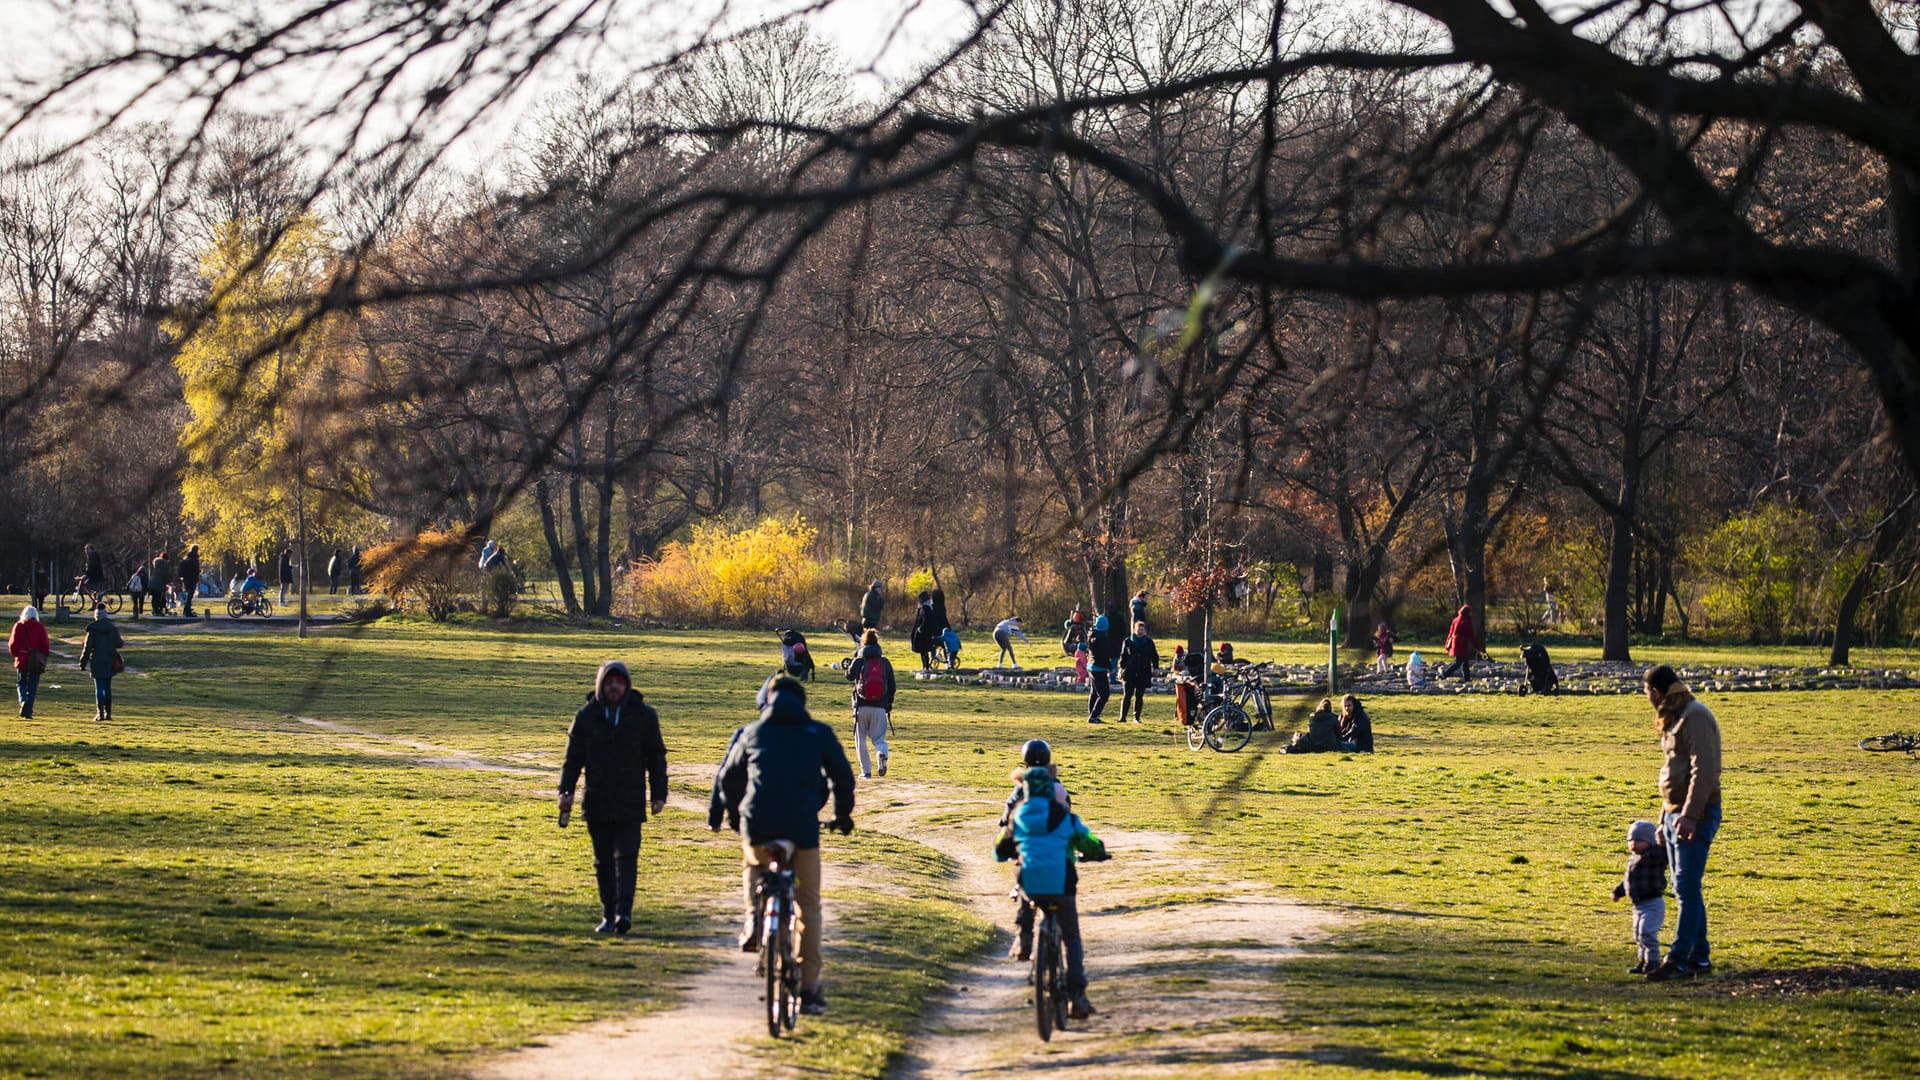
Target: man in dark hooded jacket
{"x":771,"y":779}
{"x":871,"y":605}
{"x":615,"y":741}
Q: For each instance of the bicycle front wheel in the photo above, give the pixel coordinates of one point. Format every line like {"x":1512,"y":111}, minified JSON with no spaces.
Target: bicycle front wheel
{"x":266,"y":608}
{"x":789,"y":971}
{"x":1884,"y":743}
{"x":1045,"y":955}
{"x":770,"y":963}
{"x":1228,"y":729}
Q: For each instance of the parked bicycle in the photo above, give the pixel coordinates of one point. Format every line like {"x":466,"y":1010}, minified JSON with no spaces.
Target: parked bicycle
{"x":86,"y":595}
{"x":1888,"y":743}
{"x":1228,"y":725}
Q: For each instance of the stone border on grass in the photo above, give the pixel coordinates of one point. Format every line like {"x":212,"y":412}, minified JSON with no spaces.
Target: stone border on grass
{"x":1585,"y":678}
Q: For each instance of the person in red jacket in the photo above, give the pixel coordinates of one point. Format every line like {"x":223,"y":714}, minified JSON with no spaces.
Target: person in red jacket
{"x":29,"y":645}
{"x":1463,"y":644}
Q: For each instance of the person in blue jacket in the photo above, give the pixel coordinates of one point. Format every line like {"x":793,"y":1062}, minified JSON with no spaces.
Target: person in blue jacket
{"x":1044,"y":835}
{"x":1103,"y":648}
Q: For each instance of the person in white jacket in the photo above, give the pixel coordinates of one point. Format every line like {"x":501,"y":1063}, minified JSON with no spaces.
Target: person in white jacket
{"x":1003,"y":635}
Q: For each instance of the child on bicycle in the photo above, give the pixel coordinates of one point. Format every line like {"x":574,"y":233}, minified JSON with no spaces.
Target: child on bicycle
{"x":1044,"y":836}
{"x":1036,"y":753}
{"x":251,"y":590}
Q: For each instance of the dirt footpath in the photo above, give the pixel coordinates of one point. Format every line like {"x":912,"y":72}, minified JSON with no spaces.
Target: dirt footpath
{"x":1174,"y":948}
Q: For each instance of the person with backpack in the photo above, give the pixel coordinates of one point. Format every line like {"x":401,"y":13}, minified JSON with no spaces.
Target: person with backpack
{"x":1138,"y":657}
{"x":871,"y":605}
{"x":771,"y":781}
{"x":334,"y":565}
{"x":1045,"y":836}
{"x":872,"y":677}
{"x":614,"y":741}
{"x":137,"y":589}
{"x":1101,"y":656}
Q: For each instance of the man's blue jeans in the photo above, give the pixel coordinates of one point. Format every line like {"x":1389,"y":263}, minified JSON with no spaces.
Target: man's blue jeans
{"x":1689,"y":862}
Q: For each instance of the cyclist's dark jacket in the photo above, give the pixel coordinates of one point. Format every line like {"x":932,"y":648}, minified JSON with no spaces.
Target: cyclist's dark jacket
{"x":620,"y":751}
{"x":1138,"y":657}
{"x":772,"y":774}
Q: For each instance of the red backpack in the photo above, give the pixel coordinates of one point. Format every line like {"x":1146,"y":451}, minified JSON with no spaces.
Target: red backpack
{"x":873,"y":681}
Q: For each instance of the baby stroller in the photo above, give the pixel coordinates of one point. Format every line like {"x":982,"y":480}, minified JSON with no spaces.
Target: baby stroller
{"x":794,"y":655}
{"x":1540,"y":674}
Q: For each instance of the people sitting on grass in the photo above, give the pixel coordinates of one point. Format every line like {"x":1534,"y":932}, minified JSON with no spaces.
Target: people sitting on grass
{"x":1356,"y":727}
{"x":1322,"y":735}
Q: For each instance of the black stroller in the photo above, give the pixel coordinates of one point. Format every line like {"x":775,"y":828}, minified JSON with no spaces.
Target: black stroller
{"x":794,"y":655}
{"x":1541,"y":677}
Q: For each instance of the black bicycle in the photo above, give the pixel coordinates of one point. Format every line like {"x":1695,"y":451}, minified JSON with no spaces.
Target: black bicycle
{"x":1050,"y":997}
{"x":1228,"y":725}
{"x":1889,"y":743}
{"x":773,"y":903}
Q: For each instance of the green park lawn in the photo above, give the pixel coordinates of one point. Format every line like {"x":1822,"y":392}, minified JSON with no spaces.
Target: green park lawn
{"x":208,"y":886}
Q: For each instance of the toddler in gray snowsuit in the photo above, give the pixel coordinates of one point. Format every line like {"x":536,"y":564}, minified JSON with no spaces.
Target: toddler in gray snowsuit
{"x":1645,"y":884}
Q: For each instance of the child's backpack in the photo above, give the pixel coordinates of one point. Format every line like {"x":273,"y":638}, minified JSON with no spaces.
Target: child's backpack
{"x":873,"y":681}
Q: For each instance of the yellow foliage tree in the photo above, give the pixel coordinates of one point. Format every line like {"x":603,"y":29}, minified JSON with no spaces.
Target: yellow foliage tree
{"x":763,"y":573}
{"x":257,"y":372}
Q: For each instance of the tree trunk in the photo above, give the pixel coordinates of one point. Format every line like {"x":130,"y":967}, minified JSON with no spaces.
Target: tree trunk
{"x":1615,"y":644}
{"x":556,"y":546}
{"x":582,"y":547}
{"x":1885,"y":540}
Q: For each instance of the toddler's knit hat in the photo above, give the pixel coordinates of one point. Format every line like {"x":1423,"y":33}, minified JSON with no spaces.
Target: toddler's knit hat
{"x":1644,"y":831}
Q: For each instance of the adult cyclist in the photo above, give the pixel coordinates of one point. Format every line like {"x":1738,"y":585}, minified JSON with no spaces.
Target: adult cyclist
{"x":771,"y":779}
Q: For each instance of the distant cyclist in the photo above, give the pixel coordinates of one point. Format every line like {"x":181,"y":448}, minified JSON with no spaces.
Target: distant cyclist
{"x":772,"y":781}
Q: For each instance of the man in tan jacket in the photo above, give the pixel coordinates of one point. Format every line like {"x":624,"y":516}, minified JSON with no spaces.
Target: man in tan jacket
{"x":1690,"y":813}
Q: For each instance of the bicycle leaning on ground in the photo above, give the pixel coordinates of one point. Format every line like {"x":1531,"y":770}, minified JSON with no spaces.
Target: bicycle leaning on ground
{"x":1227,"y":726}
{"x":1886,"y":743}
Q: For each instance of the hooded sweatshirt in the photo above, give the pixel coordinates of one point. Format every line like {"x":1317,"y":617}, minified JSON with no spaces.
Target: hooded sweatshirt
{"x":771,"y":777}
{"x":619,"y":749}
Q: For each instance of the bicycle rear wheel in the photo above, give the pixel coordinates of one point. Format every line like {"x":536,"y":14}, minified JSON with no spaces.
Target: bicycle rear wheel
{"x":1883,"y":743}
{"x":112,"y":602}
{"x":1227,"y":728}
{"x":789,"y":969}
{"x":235,"y":608}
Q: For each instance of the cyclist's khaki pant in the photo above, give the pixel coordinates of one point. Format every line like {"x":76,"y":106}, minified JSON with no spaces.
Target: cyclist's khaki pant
{"x":806,"y":897}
